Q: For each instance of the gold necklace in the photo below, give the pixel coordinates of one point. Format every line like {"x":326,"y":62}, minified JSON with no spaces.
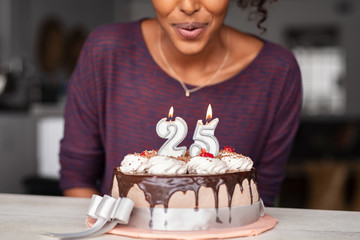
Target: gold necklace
{"x":209,"y":81}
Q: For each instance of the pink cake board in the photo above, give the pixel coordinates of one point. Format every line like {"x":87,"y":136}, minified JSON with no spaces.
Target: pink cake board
{"x":265,"y":223}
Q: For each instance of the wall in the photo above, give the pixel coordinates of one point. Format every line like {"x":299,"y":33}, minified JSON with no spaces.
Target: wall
{"x":24,"y":16}
{"x":17,"y":151}
{"x":5,"y":29}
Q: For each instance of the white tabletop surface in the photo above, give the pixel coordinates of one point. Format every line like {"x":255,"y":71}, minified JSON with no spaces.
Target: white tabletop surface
{"x":30,"y":217}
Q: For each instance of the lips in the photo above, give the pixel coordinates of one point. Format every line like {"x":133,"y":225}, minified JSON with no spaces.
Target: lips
{"x":190,"y":30}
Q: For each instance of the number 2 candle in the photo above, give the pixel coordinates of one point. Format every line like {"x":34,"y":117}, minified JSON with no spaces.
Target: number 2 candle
{"x":173,"y":130}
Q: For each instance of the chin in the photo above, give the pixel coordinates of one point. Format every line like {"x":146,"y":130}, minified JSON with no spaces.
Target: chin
{"x":190,"y":48}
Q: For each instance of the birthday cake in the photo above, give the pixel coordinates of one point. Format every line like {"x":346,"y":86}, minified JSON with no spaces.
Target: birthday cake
{"x":175,"y":189}
{"x":222,"y":191}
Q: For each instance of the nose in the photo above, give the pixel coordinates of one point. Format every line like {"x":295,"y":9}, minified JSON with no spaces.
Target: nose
{"x":189,"y":7}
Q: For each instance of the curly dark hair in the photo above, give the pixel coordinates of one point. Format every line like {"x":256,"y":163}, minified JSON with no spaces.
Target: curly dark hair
{"x":260,"y":11}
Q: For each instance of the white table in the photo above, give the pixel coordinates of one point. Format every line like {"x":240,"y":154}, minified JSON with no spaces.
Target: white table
{"x":30,"y":217}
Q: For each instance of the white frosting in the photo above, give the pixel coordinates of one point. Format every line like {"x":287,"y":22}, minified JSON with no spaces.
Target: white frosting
{"x":132,"y":162}
{"x":236,"y":162}
{"x":206,"y":165}
{"x":163,"y":165}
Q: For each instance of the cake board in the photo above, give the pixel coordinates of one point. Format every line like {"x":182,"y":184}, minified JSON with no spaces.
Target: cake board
{"x":264,"y":224}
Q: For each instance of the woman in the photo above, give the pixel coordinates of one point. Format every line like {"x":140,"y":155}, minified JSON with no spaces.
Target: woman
{"x":130,"y":74}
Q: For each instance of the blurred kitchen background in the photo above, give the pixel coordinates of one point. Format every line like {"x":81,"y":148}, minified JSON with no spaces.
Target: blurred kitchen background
{"x":41,"y":39}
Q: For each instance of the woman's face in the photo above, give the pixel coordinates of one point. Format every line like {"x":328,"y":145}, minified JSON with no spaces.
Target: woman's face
{"x":191,"y":25}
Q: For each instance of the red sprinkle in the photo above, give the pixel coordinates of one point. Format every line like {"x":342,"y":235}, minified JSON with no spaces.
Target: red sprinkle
{"x":228,"y":149}
{"x":144,"y":153}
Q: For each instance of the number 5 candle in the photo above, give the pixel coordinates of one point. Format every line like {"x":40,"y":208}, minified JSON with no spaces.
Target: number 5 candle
{"x":175,"y":131}
{"x":204,"y":136}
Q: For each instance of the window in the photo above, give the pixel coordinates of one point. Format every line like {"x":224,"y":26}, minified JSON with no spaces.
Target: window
{"x":323,"y":68}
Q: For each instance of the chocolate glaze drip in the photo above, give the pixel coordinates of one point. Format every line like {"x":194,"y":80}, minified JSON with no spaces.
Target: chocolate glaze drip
{"x":159,"y":189}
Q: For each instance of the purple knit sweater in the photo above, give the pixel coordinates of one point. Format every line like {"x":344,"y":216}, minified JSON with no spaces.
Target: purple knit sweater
{"x":117,"y":94}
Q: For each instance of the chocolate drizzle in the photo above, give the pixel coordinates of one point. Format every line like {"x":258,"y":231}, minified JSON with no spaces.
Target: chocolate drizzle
{"x":159,"y":189}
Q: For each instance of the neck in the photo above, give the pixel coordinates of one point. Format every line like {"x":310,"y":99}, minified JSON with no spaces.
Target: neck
{"x":196,"y":68}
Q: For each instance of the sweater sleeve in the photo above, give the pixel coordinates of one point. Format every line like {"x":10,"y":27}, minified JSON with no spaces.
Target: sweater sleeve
{"x":271,"y":167}
{"x":81,"y":149}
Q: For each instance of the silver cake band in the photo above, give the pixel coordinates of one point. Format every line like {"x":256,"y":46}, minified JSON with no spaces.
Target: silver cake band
{"x":183,"y":219}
